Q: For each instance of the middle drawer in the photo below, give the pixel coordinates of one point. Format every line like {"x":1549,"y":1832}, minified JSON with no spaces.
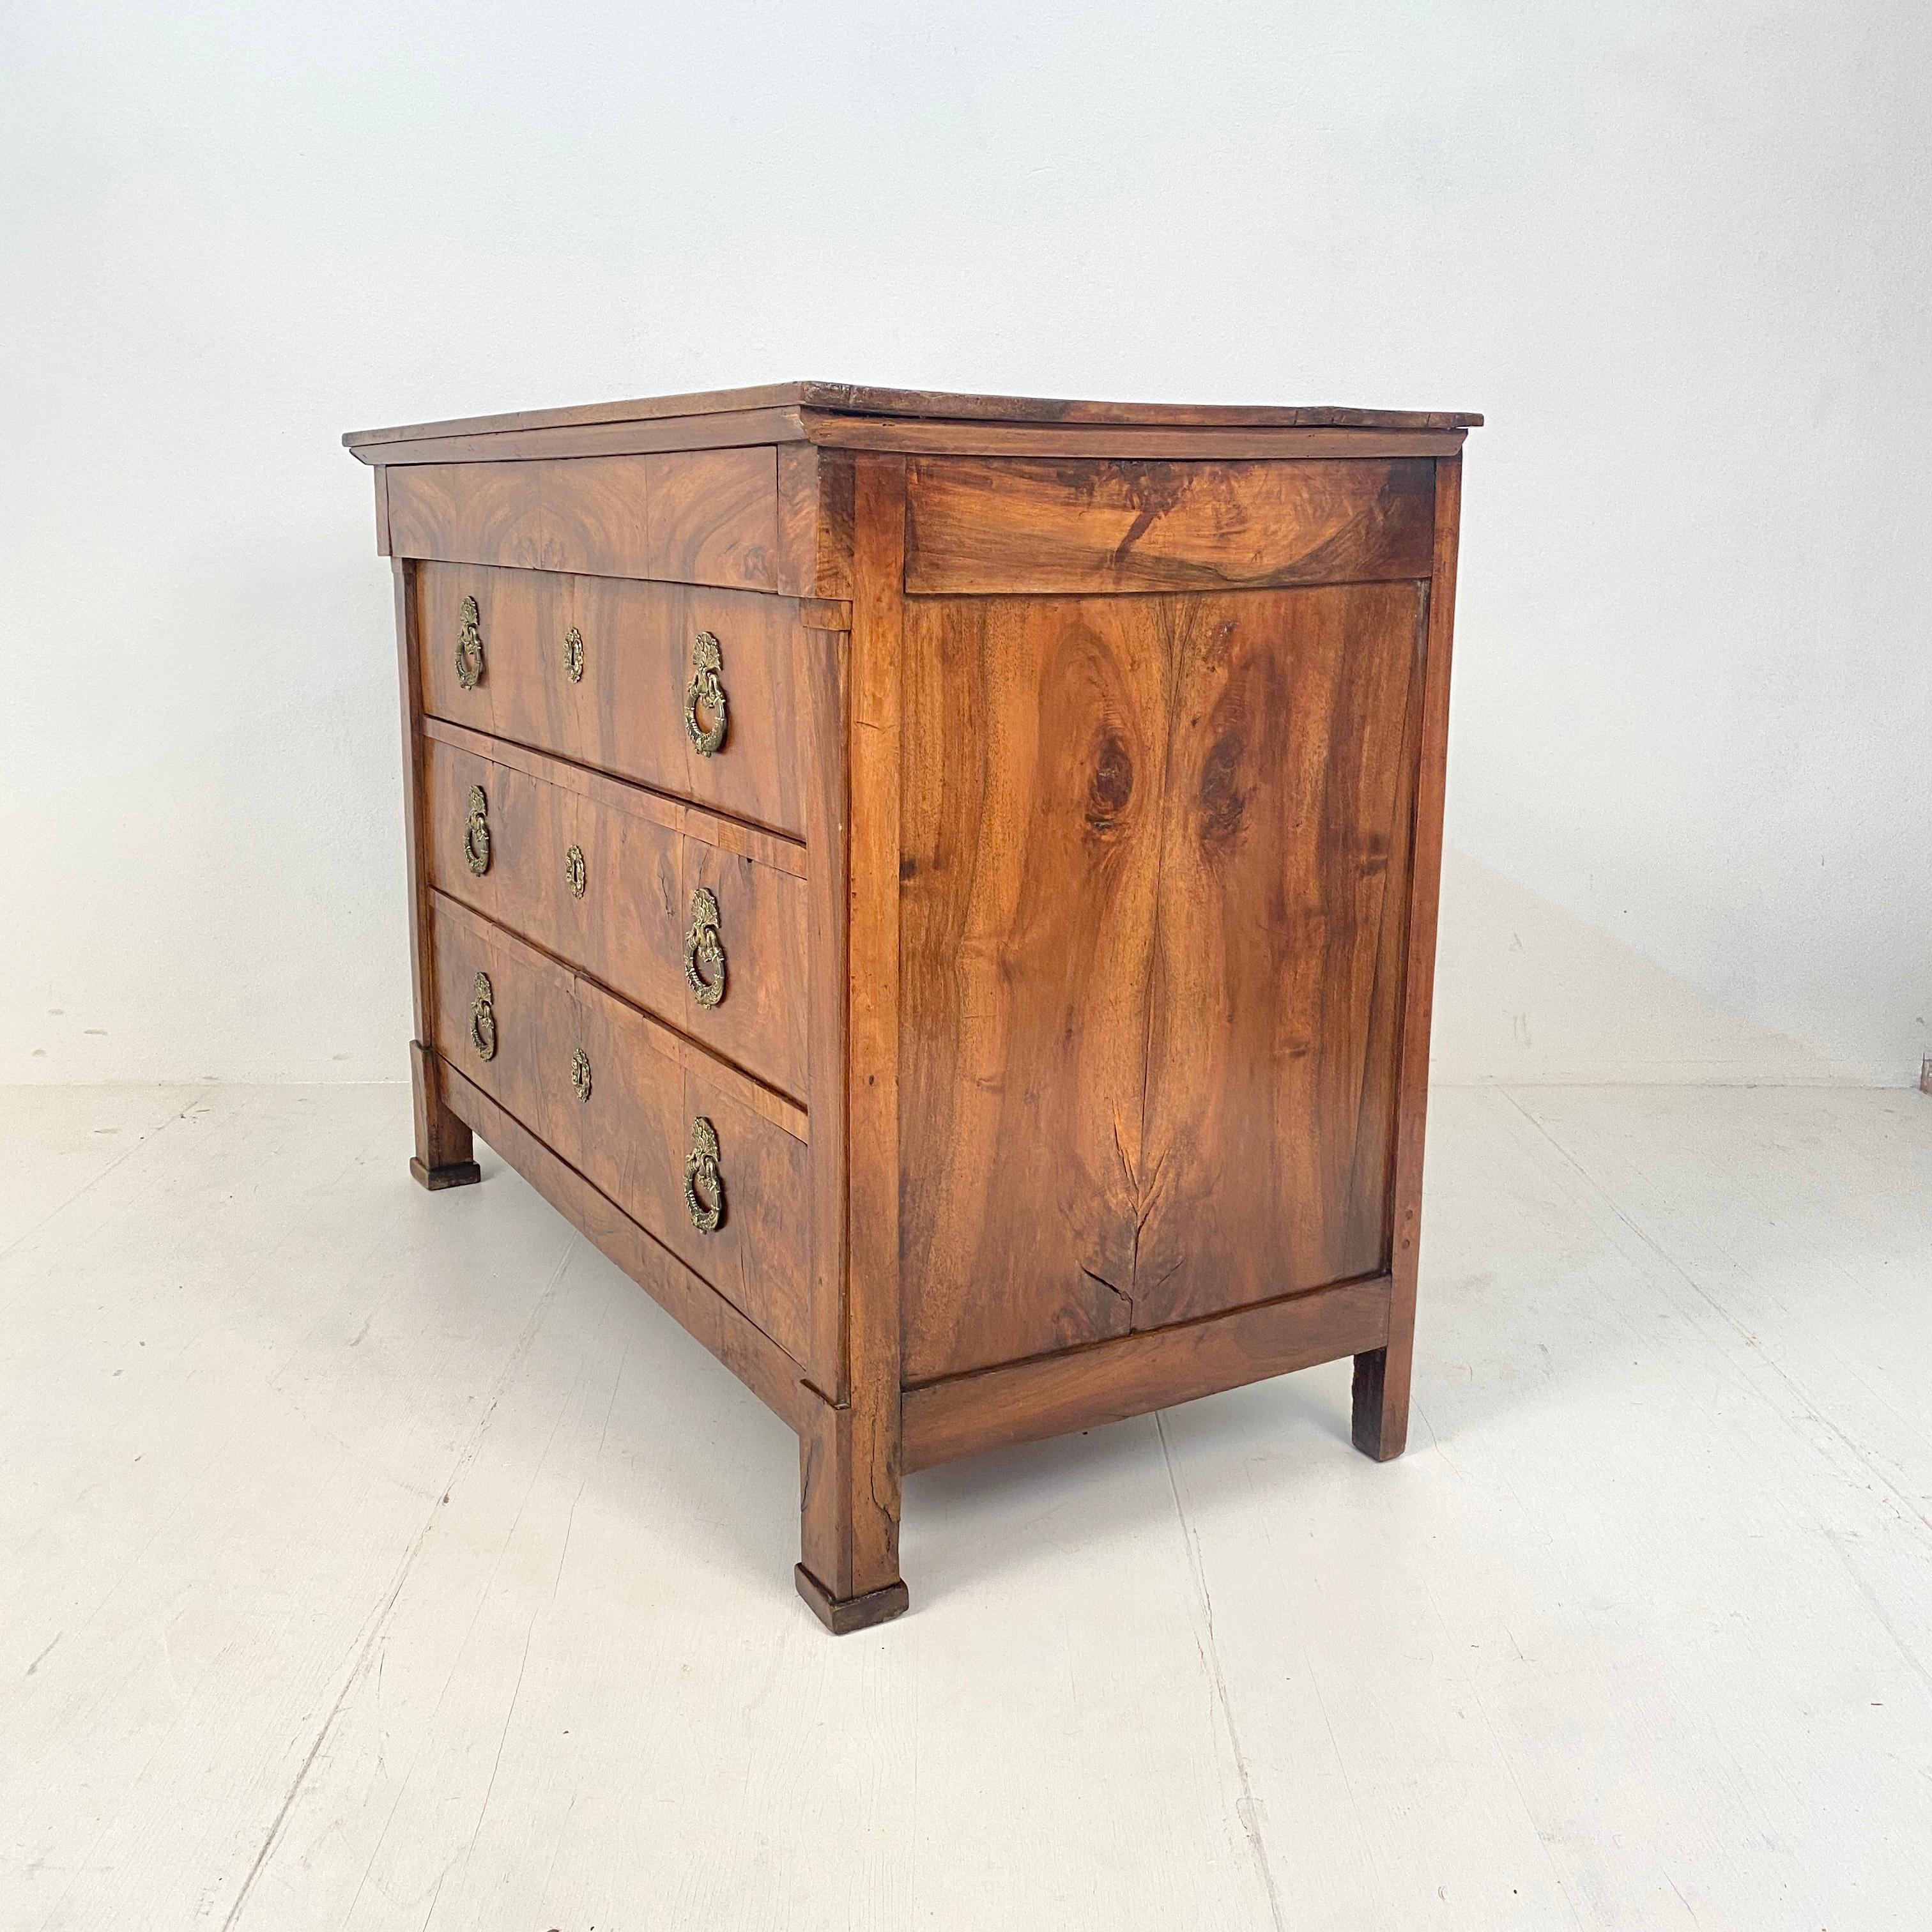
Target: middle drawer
{"x":698,"y":920}
{"x":713,"y":1165}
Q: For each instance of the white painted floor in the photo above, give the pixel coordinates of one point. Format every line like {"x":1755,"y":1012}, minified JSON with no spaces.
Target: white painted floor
{"x":372,"y":1559}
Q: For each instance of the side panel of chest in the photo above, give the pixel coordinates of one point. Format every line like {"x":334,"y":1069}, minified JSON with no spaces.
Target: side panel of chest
{"x":1155,"y":854}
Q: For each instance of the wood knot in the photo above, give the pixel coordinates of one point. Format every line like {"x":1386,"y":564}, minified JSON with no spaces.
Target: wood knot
{"x":1224,"y":802}
{"x":1111,"y":790}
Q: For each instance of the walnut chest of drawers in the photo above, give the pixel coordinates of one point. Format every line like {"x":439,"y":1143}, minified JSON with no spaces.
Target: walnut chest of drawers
{"x":941,"y":890}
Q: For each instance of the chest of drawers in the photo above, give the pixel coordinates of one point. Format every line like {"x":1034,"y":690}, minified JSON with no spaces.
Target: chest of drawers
{"x":941,"y":890}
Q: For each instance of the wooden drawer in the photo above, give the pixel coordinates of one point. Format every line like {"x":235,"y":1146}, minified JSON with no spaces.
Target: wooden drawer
{"x":632,"y":1137}
{"x":625,"y":710}
{"x":641,"y":860}
{"x":703,"y":516}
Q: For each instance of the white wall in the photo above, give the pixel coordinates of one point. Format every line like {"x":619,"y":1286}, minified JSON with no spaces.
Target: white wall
{"x":1678,"y":253}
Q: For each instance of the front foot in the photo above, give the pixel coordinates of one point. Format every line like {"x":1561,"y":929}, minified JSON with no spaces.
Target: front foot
{"x":445,"y":1149}
{"x":452,"y":1173}
{"x":840,"y":1615}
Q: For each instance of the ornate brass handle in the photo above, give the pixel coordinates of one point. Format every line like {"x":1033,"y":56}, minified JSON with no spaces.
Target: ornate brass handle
{"x":476,"y":837}
{"x":707,"y":660}
{"x":573,"y":655}
{"x":573,"y":871}
{"x":482,"y":1020}
{"x":469,"y":646}
{"x":704,"y":950}
{"x":579,"y":1073}
{"x":701,"y":1178}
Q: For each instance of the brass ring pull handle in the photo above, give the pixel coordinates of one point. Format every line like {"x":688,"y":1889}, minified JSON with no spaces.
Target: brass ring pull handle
{"x":707,"y":660}
{"x":704,"y":950}
{"x":702,"y":1179}
{"x":573,"y":655}
{"x":579,"y":1073}
{"x":476,"y":836}
{"x":482,"y":1020}
{"x":469,"y":646}
{"x":573,"y":872}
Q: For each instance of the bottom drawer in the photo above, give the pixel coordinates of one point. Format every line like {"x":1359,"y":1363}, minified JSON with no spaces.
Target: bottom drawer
{"x":628,"y":1104}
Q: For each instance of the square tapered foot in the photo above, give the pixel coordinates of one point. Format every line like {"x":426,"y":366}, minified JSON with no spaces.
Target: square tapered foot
{"x":840,"y":1615}
{"x":1380,"y":1423}
{"x":457,"y":1174}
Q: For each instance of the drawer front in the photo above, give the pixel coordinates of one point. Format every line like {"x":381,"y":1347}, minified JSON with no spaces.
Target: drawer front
{"x":608,"y":877}
{"x":602,"y":671}
{"x":697,"y":516}
{"x":632,"y":1135}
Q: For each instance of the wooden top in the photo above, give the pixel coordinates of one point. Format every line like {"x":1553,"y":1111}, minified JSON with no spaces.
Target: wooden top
{"x":918,"y":405}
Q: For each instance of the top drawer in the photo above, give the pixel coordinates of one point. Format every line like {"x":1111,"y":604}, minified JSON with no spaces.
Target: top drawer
{"x":602,"y":671}
{"x":700,"y":516}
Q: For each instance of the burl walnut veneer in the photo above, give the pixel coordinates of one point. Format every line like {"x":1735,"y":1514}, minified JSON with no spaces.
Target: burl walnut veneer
{"x":941,"y":890}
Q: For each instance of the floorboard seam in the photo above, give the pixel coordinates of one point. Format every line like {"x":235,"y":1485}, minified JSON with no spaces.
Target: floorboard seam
{"x":1751,"y":1342}
{"x":1250,"y":1817}
{"x":1907,"y":1504}
{"x":87,"y":1186}
{"x":367,"y":1646}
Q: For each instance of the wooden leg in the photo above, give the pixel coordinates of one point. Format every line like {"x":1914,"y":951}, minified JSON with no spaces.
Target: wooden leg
{"x":849,"y":1519}
{"x":1381,"y":1420}
{"x":445,"y":1155}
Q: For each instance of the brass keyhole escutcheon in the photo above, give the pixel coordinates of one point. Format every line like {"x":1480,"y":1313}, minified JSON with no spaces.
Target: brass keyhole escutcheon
{"x":573,"y":871}
{"x":705,"y":693}
{"x":579,"y":1073}
{"x":476,"y":837}
{"x":704,"y":1185}
{"x":482,"y":1019}
{"x":573,"y":655}
{"x":704,"y":950}
{"x":469,"y":646}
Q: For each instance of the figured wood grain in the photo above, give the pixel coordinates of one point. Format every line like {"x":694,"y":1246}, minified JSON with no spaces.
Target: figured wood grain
{"x":740,"y":1343}
{"x":707,"y":517}
{"x":626,"y":716}
{"x":1382,"y":1382}
{"x":1274,"y":990}
{"x":1082,"y":1388}
{"x":988,"y":525}
{"x":1146,"y":1011}
{"x":630,"y":1137}
{"x":627,"y":928}
{"x":815,"y":522}
{"x":1025,"y":910}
